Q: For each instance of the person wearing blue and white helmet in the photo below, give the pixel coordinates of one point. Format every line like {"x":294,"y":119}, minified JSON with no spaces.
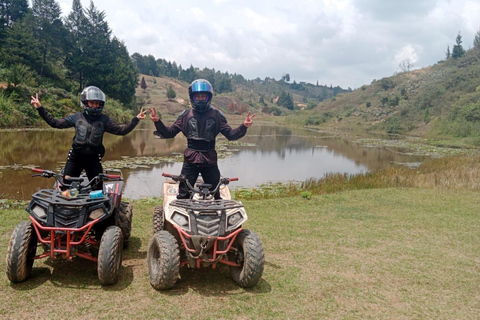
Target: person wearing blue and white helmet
{"x":200,"y":124}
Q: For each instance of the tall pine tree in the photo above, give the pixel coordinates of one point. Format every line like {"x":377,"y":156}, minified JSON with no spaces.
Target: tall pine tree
{"x":12,"y":11}
{"x":97,"y":48}
{"x":76,"y":24}
{"x":50,"y":32}
{"x":122,"y":77}
{"x":21,"y":46}
{"x":458,"y":50}
{"x":476,"y":41}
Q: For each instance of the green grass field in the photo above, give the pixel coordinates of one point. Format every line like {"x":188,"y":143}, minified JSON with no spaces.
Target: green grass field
{"x":398,"y":253}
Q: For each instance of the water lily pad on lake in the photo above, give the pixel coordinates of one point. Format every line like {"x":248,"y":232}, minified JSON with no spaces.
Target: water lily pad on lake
{"x":139,"y":162}
{"x":415,"y":146}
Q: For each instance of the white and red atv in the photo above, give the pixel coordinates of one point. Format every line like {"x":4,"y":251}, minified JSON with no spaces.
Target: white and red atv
{"x":202,"y":232}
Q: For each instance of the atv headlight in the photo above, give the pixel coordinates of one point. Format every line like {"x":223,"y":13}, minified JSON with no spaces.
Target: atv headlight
{"x":180,"y":219}
{"x":235,"y":220}
{"x":39,"y":212}
{"x":96,"y":214}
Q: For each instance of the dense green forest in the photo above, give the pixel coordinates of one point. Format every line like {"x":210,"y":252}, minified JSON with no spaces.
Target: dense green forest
{"x":39,"y":48}
{"x":42,"y":52}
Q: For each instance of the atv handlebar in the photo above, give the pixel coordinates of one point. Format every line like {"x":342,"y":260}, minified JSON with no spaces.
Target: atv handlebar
{"x":101,"y":177}
{"x":182,"y":178}
{"x":204,"y":188}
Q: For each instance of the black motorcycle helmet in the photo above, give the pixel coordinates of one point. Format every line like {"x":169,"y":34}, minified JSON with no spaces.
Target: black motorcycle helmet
{"x":200,"y":86}
{"x":92,"y":94}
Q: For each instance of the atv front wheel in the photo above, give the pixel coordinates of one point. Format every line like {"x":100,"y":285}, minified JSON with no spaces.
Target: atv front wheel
{"x":157,"y":219}
{"x":21,"y":251}
{"x":110,"y":255}
{"x":163,"y":260}
{"x":123,"y":219}
{"x":251,"y":258}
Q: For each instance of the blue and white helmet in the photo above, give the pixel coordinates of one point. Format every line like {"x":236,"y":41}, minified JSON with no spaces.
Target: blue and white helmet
{"x":200,"y":86}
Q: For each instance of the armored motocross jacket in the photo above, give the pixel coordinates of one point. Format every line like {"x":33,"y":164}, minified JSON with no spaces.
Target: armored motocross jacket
{"x":89,"y":131}
{"x":200,"y":129}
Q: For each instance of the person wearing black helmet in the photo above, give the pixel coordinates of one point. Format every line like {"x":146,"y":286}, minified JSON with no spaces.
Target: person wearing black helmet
{"x":200,"y":125}
{"x":90,"y":125}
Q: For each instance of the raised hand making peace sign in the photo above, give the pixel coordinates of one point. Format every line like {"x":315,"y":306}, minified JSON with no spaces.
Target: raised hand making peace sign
{"x":35,"y":101}
{"x":153,"y":114}
{"x":141,"y":115}
{"x":249,"y":120}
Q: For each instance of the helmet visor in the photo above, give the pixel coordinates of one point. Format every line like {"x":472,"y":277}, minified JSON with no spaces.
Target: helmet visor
{"x":202,"y":86}
{"x":94,"y":94}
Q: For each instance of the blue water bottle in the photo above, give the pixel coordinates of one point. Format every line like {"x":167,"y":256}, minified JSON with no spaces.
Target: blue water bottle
{"x":96,"y":194}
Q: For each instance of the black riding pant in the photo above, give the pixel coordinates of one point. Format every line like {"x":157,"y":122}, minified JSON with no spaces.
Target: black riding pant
{"x":91,"y":163}
{"x":210,"y":174}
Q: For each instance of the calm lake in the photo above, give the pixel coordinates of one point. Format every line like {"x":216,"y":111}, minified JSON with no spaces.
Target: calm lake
{"x":266,"y":154}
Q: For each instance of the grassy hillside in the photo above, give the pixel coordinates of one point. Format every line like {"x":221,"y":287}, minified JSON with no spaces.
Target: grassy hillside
{"x":440,"y":101}
{"x":258,"y":96}
{"x":155,"y":95}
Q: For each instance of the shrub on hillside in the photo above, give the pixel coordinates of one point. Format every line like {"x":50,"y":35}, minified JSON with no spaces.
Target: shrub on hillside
{"x":386,"y":84}
{"x":394,"y":125}
{"x":6,"y":109}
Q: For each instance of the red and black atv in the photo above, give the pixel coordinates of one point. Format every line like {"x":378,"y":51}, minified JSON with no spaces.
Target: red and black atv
{"x":202,"y":232}
{"x":72,"y":219}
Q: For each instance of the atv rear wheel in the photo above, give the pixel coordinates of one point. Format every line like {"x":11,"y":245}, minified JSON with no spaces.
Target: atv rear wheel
{"x":110,"y":255}
{"x":251,"y":258}
{"x":123,"y":219}
{"x":21,"y":251}
{"x":157,"y":219}
{"x":163,"y":260}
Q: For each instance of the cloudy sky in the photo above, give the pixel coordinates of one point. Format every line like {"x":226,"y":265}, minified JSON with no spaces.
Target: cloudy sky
{"x":340,"y":42}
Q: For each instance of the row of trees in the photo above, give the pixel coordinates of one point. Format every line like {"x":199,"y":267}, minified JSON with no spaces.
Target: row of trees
{"x":222,"y":82}
{"x":285,"y":100}
{"x":225,"y":82}
{"x":70,"y":53}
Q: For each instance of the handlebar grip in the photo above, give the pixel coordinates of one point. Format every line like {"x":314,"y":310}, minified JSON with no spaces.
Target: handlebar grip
{"x":169,"y":175}
{"x":113,"y":176}
{"x":75,"y":179}
{"x":37,"y":170}
{"x":233,"y":179}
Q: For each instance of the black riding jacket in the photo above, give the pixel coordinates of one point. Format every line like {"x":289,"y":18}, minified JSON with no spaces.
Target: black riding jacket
{"x":89,"y":131}
{"x":200,"y":128}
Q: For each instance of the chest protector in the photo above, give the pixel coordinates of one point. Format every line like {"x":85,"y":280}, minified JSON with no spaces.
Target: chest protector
{"x":201,"y":131}
{"x":88,"y":136}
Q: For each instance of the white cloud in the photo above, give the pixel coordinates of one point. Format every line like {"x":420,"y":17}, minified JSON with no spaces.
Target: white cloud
{"x":406,"y":53}
{"x":338,"y":42}
{"x":197,"y":13}
{"x":470,"y":14}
